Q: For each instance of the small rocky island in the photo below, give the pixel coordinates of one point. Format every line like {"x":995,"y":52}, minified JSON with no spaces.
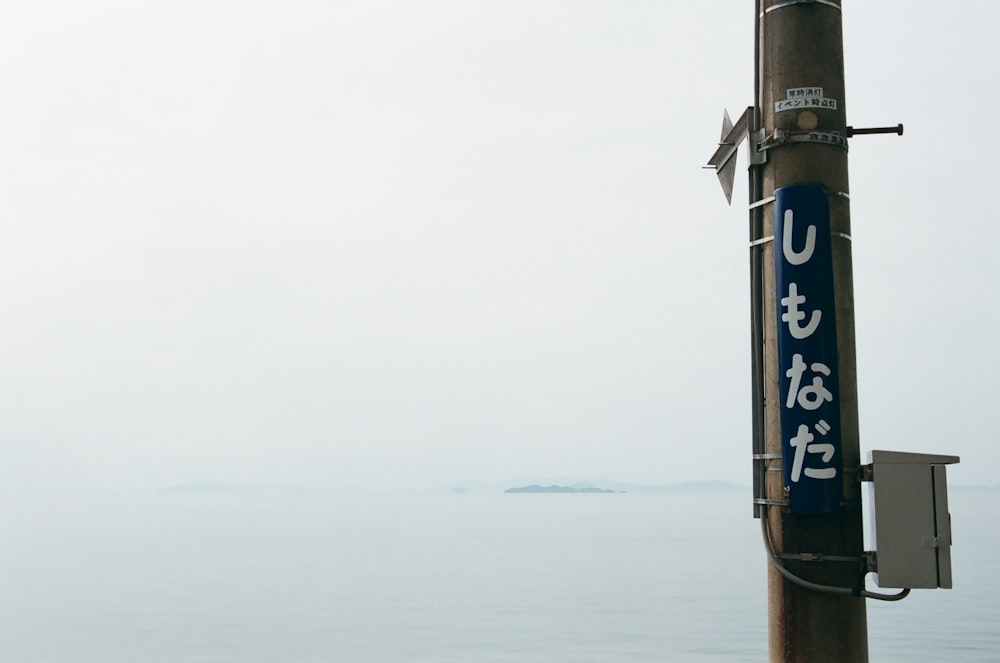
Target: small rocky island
{"x":558,"y":489}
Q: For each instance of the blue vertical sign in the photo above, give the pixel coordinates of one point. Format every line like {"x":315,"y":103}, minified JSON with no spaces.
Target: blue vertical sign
{"x":807,"y":350}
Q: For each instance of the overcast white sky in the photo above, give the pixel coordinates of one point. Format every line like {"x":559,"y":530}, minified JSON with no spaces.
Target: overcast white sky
{"x":340,"y":243}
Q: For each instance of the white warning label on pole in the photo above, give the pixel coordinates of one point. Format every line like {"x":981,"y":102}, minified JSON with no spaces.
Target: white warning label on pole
{"x":801,"y":98}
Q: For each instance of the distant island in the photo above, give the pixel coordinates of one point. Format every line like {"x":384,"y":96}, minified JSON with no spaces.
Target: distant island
{"x":562,"y":483}
{"x":558,"y":489}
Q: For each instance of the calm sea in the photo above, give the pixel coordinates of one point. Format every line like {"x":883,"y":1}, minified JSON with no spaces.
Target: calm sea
{"x":475,"y":577}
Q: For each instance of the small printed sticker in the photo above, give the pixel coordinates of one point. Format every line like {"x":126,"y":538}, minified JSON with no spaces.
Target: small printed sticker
{"x":802,"y":98}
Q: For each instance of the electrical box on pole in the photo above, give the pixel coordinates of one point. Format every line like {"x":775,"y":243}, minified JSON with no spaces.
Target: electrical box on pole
{"x":912,"y":526}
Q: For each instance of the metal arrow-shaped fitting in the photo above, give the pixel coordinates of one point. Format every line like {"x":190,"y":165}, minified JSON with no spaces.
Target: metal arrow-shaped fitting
{"x":723,"y":160}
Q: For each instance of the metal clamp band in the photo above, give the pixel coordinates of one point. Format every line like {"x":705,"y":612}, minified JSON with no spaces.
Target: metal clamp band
{"x":771,"y":199}
{"x":761,"y":202}
{"x":770,"y":238}
{"x":784,"y":137}
{"x":789,"y":3}
{"x":767,"y":502}
{"x":822,"y":557}
{"x":769,"y":467}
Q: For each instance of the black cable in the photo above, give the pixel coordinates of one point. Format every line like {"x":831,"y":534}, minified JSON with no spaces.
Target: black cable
{"x":829,"y":589}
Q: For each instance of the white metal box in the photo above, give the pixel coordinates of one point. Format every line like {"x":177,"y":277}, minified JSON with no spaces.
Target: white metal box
{"x":911,"y":523}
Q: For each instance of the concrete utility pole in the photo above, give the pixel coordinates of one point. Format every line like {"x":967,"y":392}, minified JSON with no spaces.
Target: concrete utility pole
{"x":806,"y":452}
{"x":802,"y":116}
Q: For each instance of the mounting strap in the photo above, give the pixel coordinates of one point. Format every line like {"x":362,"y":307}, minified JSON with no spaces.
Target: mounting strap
{"x":784,"y":137}
{"x":822,"y":557}
{"x":789,"y":3}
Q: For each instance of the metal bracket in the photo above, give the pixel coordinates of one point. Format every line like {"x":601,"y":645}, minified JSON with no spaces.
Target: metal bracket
{"x":871,"y":561}
{"x":758,"y":157}
{"x":782,"y":137}
{"x":723,"y":161}
{"x":821,"y":557}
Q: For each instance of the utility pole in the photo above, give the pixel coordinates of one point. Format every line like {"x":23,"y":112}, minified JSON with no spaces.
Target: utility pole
{"x":802,"y":111}
{"x":806,"y":450}
{"x":805,"y":424}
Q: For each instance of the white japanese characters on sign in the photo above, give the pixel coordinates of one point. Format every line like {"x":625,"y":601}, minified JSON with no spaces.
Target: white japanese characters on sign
{"x":807,"y":354}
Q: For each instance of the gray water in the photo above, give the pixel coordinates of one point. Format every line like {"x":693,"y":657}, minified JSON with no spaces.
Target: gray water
{"x":617,"y":577}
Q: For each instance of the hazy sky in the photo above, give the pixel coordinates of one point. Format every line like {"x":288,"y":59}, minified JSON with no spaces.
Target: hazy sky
{"x":340,"y":243}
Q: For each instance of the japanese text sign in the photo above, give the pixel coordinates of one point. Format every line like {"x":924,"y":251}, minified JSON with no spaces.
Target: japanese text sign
{"x":807,"y":350}
{"x":802,"y":98}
